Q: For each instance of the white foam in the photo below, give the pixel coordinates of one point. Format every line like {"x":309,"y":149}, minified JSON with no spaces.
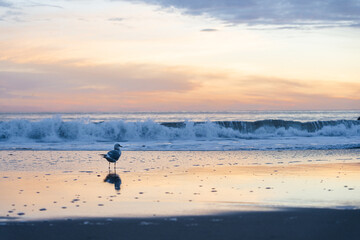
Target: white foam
{"x":81,"y":134}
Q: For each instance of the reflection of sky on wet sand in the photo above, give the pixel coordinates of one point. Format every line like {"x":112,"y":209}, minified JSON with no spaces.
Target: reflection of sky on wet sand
{"x":148,"y":161}
{"x":191,"y":187}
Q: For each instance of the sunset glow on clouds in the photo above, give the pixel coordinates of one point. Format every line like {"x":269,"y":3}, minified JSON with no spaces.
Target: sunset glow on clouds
{"x":162,"y":55}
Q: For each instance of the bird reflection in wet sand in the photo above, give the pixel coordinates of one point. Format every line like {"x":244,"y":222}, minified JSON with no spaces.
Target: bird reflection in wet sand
{"x":113,"y":178}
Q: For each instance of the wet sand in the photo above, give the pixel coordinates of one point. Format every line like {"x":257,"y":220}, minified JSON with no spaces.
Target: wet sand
{"x":212,"y":195}
{"x":286,"y":224}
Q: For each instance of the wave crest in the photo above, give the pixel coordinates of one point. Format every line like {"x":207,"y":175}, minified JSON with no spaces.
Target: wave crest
{"x":57,"y":129}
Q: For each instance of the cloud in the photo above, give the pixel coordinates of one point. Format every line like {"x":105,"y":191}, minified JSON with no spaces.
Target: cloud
{"x":310,"y":13}
{"x":292,"y":85}
{"x":78,"y":86}
{"x":11,"y":15}
{"x":19,"y":7}
{"x":208,"y":30}
{"x":111,"y":78}
{"x":5,"y":4}
{"x":37,"y":4}
{"x":116,"y":19}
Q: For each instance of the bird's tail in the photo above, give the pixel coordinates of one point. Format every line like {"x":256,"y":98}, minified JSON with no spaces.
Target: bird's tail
{"x":103,"y":155}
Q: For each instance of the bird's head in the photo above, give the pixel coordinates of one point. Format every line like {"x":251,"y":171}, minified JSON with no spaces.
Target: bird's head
{"x":117,"y":146}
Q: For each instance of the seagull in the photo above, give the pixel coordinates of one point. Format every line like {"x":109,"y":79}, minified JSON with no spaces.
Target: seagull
{"x":113,"y":155}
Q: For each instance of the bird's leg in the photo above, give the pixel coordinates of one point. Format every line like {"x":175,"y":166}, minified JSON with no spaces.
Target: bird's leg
{"x":109,"y":166}
{"x":115,"y":167}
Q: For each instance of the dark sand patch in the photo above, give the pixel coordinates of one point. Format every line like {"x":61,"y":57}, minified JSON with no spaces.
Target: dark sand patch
{"x":289,"y":224}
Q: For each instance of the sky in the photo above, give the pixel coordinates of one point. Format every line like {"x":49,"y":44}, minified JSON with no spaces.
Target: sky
{"x":179,"y":55}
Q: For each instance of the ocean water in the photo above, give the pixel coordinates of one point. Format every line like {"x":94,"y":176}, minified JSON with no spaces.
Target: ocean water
{"x":208,"y":131}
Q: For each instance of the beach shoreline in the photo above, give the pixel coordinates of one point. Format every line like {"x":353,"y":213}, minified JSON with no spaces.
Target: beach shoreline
{"x":311,"y":194}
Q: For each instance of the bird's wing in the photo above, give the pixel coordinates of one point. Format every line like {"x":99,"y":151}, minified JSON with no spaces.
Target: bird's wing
{"x":114,"y":154}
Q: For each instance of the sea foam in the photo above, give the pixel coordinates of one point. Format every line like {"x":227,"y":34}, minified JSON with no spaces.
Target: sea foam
{"x":54,"y":130}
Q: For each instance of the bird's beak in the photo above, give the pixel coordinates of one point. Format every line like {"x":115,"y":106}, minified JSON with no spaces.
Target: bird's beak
{"x":121,"y":146}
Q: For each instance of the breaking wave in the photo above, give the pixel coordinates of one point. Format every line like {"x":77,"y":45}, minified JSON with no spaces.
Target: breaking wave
{"x":82,"y":130}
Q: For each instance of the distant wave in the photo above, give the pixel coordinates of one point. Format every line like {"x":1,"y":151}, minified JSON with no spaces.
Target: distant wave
{"x":55,"y":129}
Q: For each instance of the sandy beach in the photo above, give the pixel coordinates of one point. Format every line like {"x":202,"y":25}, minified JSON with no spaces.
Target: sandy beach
{"x":259,"y":194}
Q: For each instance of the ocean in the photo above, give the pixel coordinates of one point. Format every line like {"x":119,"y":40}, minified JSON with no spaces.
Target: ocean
{"x":176,"y":164}
{"x":181,"y":131}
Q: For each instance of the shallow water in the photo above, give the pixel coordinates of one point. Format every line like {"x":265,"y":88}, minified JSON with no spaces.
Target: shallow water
{"x":68,"y":184}
{"x":149,"y":161}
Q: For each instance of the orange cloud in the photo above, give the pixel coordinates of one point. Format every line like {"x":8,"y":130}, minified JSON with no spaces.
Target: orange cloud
{"x":79,"y":86}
